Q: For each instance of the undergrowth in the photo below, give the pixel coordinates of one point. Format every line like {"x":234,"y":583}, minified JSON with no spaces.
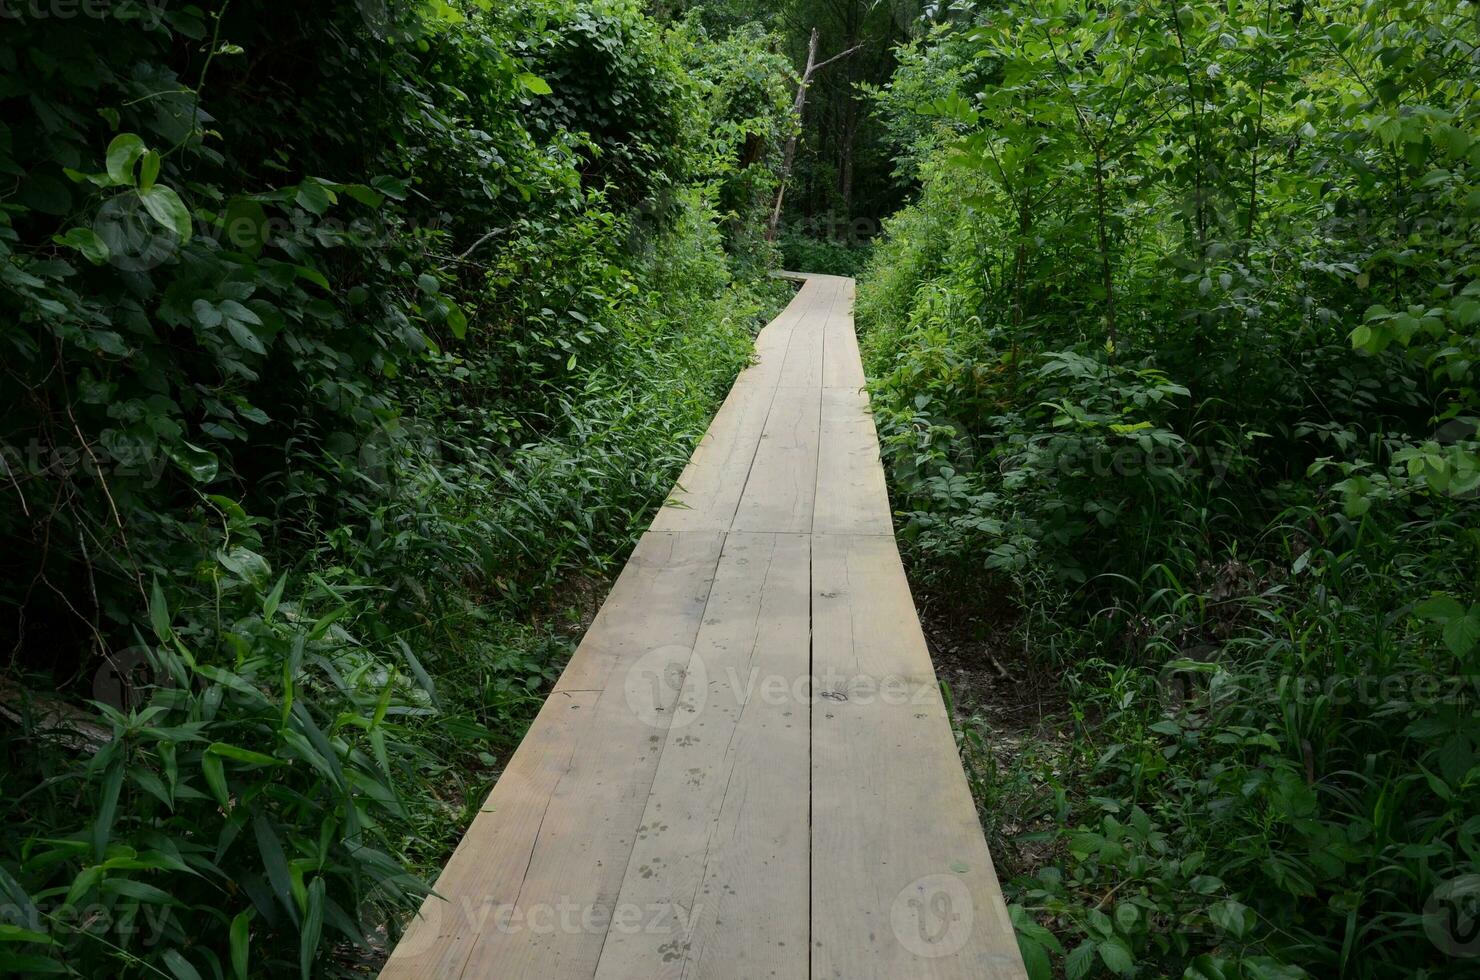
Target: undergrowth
{"x":1175,"y":352}
{"x":347,"y":351}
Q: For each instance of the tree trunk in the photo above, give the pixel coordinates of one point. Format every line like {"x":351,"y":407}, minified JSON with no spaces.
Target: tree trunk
{"x":789,"y":157}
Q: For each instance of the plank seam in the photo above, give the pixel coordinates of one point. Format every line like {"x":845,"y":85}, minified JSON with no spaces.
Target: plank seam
{"x":658,"y":762}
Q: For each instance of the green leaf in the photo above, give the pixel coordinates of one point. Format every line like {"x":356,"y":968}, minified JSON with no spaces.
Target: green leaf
{"x":1126,"y":916}
{"x":165,"y":206}
{"x":137,"y":890}
{"x":238,"y":754}
{"x":313,"y":928}
{"x":363,"y":194}
{"x":240,"y":944}
{"x":1035,"y":959}
{"x":245,"y":226}
{"x":86,"y":241}
{"x":206,"y":315}
{"x":312,"y":275}
{"x":123,"y":153}
{"x":275,"y":863}
{"x":25,"y":965}
{"x":179,"y":965}
{"x":246,"y":565}
{"x":423,"y":679}
{"x":108,"y":806}
{"x":15,"y":934}
{"x":535,"y":84}
{"x":215,"y":774}
{"x":457,"y":320}
{"x":201,"y":464}
{"x":270,"y":604}
{"x":314,"y":197}
{"x":159,"y":612}
{"x":1439,"y":608}
{"x":1463,"y":633}
{"x":1116,"y":955}
{"x":1077,"y":964}
{"x":148,"y":169}
{"x":1232,"y":917}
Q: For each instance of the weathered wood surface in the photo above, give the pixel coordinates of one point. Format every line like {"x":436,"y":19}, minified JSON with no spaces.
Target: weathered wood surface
{"x":747,"y":769}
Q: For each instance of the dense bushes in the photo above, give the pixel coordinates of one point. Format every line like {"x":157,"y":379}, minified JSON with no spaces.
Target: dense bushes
{"x":1177,"y":347}
{"x":336,"y":338}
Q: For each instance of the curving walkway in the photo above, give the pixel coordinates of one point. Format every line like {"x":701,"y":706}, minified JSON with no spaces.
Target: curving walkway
{"x":746,"y":771}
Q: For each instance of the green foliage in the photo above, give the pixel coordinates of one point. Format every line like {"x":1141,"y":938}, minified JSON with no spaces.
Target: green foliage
{"x":809,"y":254}
{"x":338,"y":342}
{"x":1176,"y":349}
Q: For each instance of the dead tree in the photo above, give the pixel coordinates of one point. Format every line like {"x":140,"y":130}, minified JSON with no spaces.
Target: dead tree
{"x":790,"y":155}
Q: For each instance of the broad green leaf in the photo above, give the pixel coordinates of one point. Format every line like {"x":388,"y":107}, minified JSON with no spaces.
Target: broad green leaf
{"x":1079,"y":961}
{"x":179,"y":965}
{"x":1462,"y":633}
{"x":1035,"y":958}
{"x":165,"y":206}
{"x":535,"y":84}
{"x":86,"y":241}
{"x":1116,"y":955}
{"x":15,"y":934}
{"x":1232,"y":917}
{"x":275,"y":862}
{"x":201,"y":464}
{"x":159,"y":612}
{"x":108,"y":805}
{"x":123,"y":153}
{"x":206,"y":315}
{"x":246,"y":565}
{"x":270,"y":603}
{"x":313,"y":196}
{"x":457,"y":321}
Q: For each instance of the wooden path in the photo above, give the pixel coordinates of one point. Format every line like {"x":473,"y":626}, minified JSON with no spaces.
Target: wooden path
{"x":746,"y":771}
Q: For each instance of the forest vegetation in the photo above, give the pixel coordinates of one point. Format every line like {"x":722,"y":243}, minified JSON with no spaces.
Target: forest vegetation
{"x":348,"y":348}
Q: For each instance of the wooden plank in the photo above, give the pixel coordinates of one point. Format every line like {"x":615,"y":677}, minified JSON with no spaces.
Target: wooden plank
{"x":487,"y":868}
{"x":802,"y":367}
{"x":774,"y":339}
{"x":652,"y":615}
{"x":780,"y":487}
{"x":851,"y":497}
{"x":842,"y":367}
{"x":657,"y":601}
{"x":709,"y":490}
{"x":557,"y":922}
{"x":719,"y":878}
{"x":902,"y":884}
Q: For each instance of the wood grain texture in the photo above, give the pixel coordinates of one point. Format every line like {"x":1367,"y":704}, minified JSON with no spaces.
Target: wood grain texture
{"x":902,"y":884}
{"x":719,"y":869}
{"x":851,"y":497}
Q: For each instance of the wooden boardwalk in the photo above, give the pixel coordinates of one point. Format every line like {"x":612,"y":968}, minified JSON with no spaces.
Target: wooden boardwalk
{"x":746,"y":771}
